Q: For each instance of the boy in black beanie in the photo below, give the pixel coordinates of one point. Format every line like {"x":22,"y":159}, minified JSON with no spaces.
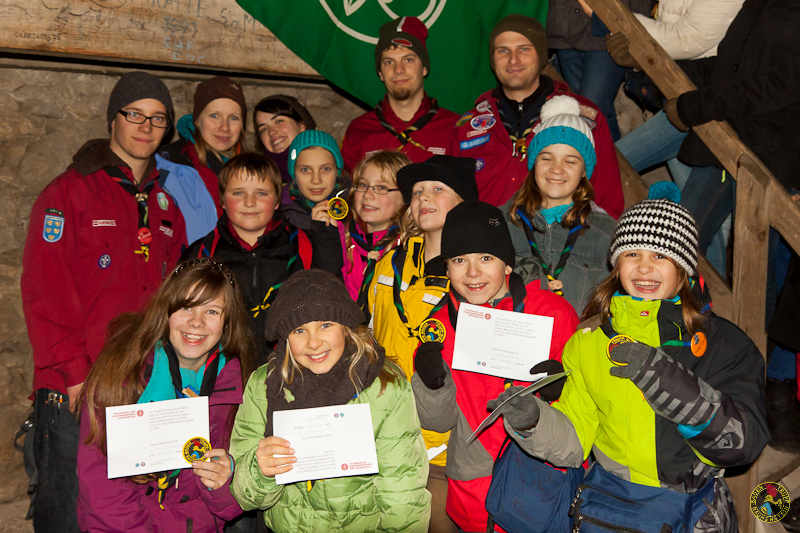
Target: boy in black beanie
{"x":478,"y":257}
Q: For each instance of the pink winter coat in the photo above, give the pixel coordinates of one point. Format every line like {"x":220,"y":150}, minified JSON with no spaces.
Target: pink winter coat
{"x":353,"y":271}
{"x":112,"y":505}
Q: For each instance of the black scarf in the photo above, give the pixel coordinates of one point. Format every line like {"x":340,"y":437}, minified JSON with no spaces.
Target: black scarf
{"x":310,"y":390}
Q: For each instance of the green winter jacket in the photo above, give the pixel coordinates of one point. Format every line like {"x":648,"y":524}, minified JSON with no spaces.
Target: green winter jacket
{"x":393,"y":500}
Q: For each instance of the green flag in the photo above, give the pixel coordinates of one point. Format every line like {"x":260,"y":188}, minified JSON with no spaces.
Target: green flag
{"x":338,"y":37}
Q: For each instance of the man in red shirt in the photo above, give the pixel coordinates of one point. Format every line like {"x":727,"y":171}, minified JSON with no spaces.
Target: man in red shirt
{"x":497,"y":132}
{"x":406,"y":119}
{"x":103,"y":236}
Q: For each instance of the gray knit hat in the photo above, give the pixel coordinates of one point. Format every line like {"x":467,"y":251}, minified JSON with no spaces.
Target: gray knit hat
{"x":310,"y":296}
{"x":658,"y":224}
{"x":138,"y":85}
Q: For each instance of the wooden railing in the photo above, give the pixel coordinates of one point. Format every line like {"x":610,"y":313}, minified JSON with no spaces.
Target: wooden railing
{"x":761,"y":201}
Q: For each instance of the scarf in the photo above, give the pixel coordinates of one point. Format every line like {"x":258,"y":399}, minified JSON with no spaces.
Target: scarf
{"x":310,"y":390}
{"x":555,"y":215}
{"x":167,"y":374}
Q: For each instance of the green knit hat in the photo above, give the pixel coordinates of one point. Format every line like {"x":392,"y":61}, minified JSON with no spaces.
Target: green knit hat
{"x":561,"y":123}
{"x":310,"y":139}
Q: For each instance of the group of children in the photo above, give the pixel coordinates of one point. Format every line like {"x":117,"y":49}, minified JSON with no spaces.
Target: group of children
{"x":337,"y":313}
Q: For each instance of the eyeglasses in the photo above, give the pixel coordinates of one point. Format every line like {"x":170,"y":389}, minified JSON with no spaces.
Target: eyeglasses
{"x":381,"y":190}
{"x":135,"y":117}
{"x":205,"y":260}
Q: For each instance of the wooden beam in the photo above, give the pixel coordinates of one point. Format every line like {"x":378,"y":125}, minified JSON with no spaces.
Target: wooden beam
{"x":210,"y":34}
{"x":718,"y":136}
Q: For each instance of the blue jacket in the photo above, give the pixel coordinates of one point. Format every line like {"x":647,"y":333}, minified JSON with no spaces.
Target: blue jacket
{"x":194,"y":201}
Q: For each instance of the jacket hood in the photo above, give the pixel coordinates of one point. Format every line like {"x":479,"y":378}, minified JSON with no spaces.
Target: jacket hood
{"x":97,"y":154}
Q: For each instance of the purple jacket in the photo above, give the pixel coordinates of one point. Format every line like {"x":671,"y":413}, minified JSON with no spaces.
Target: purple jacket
{"x":122,"y":505}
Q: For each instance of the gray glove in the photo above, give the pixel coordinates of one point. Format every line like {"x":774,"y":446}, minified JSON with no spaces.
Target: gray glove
{"x":634,"y":355}
{"x":522,"y":412}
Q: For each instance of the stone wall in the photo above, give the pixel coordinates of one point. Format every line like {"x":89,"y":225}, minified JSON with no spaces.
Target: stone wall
{"x":46,"y":116}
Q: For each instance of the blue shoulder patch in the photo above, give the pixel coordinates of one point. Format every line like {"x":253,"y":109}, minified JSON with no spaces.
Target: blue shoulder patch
{"x":472,"y":143}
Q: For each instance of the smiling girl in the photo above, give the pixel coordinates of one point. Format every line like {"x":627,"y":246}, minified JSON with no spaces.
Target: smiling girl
{"x":211,"y":135}
{"x":560,"y":235}
{"x":664,"y":393}
{"x":315,"y":165}
{"x":191,"y":340}
{"x":278,"y":119}
{"x":374,"y":227}
{"x":403,"y":294}
{"x":326,"y":356}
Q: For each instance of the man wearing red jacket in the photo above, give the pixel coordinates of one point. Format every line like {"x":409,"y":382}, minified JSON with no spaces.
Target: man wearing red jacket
{"x":406,"y":119}
{"x":497,"y":132}
{"x":103,"y":236}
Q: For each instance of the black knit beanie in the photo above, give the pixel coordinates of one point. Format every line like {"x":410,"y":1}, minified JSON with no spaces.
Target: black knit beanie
{"x":473,"y":227}
{"x":405,"y":31}
{"x":310,"y":296}
{"x":528,"y":27}
{"x":458,"y":173}
{"x":133,"y":86}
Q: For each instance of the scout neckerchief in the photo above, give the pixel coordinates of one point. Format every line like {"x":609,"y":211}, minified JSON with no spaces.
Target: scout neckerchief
{"x":144,"y":235}
{"x":367,"y":246}
{"x":272,"y":292}
{"x":405,"y":136}
{"x":399,"y":258}
{"x":519,"y":296}
{"x":158,"y":389}
{"x":552,"y":273}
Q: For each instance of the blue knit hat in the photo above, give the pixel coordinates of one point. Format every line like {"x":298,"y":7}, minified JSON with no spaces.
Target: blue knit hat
{"x":561,"y":123}
{"x":310,"y":139}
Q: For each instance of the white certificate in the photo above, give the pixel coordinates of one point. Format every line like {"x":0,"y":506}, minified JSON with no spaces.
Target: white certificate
{"x":156,"y":436}
{"x":335,"y":441}
{"x":501,"y":343}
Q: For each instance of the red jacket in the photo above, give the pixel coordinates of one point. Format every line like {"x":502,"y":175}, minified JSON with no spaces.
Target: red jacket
{"x":466,"y":499}
{"x":500,"y":175}
{"x":365,"y":134}
{"x":73,"y":285}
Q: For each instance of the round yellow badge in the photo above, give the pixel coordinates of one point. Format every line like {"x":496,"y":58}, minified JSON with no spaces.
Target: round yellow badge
{"x":699,"y":344}
{"x":338,"y":208}
{"x":194,"y":449}
{"x":432,"y":330}
{"x":613,"y":343}
{"x":769,"y":502}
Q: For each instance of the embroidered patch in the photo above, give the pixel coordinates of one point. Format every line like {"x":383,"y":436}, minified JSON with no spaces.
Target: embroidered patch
{"x":166,"y":231}
{"x":466,"y":145}
{"x":473,"y":133}
{"x":613,"y":343}
{"x":103,"y":223}
{"x":104,"y":261}
{"x":479,"y":164}
{"x":484,"y":107}
{"x":483,"y":122}
{"x":163,"y":203}
{"x":194,"y":449}
{"x":432,"y":330}
{"x":769,"y":502}
{"x":338,"y":208}
{"x":466,"y":117}
{"x":53,"y":228}
{"x":437,"y":150}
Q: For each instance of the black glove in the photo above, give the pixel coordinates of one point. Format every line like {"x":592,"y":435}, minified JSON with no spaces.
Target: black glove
{"x":429,"y":364}
{"x":671,"y":110}
{"x":522,"y":412}
{"x":633,"y":355}
{"x":551,"y":392}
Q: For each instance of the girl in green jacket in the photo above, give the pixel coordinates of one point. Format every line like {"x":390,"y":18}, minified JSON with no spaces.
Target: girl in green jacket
{"x":662,"y":392}
{"x":326,"y":356}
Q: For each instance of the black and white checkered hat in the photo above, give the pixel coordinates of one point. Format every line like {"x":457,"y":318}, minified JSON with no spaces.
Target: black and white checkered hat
{"x":659,"y":225}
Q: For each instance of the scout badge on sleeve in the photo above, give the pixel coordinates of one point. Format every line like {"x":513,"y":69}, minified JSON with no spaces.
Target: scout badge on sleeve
{"x":53,"y":228}
{"x":613,"y":343}
{"x":337,"y":207}
{"x":432,"y":330}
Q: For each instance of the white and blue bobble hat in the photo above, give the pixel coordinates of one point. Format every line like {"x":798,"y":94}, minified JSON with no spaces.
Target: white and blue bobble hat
{"x":561,"y":123}
{"x":659,"y":224}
